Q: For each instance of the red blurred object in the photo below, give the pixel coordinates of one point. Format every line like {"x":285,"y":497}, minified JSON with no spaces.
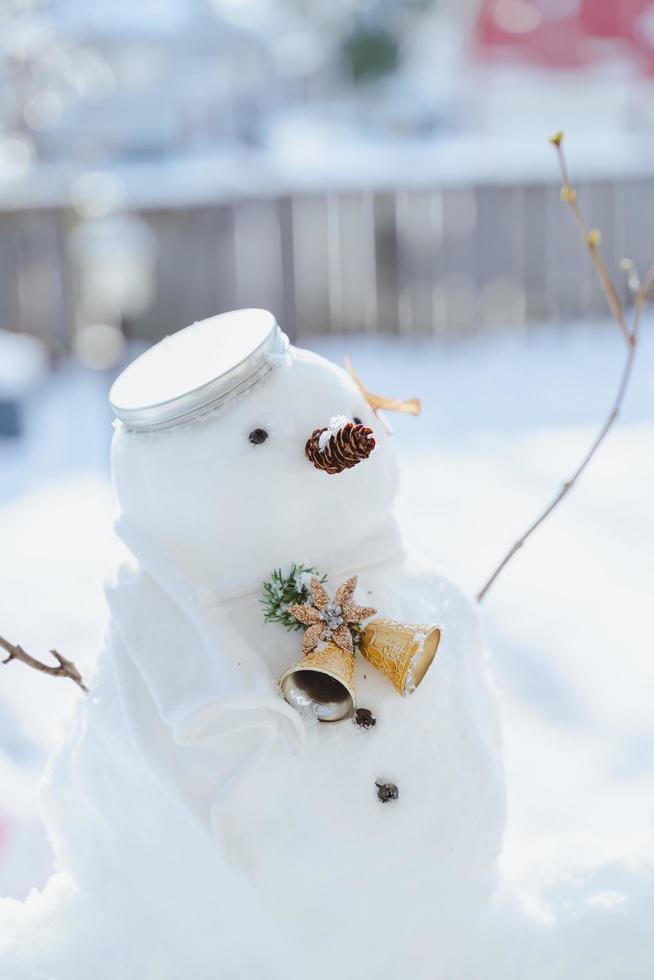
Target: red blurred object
{"x":566,"y":33}
{"x":615,"y":19}
{"x":528,"y":30}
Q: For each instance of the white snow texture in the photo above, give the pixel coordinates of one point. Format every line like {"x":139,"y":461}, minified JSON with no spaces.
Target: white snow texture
{"x":202,"y":828}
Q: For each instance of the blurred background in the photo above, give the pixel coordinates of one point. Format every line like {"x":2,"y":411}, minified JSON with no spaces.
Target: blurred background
{"x":378,"y":175}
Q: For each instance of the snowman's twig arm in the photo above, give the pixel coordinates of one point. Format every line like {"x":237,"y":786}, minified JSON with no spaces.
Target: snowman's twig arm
{"x":590,"y":239}
{"x":65,"y":668}
{"x":643,"y":292}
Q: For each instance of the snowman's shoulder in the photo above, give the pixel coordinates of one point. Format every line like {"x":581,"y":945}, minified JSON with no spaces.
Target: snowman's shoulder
{"x":426,"y":573}
{"x":421,"y":592}
{"x":426,"y":579}
{"x":456,"y":613}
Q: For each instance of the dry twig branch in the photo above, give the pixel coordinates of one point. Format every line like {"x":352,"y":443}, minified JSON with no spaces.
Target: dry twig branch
{"x":65,"y":668}
{"x":591,"y":242}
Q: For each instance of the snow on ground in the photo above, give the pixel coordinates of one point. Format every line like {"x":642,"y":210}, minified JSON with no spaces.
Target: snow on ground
{"x":505,"y":418}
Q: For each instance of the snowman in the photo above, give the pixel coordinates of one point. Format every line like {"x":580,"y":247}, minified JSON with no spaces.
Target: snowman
{"x":203,"y":825}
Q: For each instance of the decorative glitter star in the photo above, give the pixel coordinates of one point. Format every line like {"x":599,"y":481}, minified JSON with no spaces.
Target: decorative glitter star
{"x":327,"y":618}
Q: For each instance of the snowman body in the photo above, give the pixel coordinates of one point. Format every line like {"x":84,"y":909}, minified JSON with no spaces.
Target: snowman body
{"x":271,"y":852}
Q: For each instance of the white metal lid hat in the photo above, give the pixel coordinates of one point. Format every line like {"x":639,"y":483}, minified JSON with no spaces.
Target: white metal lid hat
{"x":197,"y":370}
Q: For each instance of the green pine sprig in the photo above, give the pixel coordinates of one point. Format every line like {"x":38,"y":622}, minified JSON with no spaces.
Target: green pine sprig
{"x":287,"y":589}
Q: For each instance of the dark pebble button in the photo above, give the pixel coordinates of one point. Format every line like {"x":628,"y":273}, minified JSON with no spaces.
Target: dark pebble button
{"x":387,"y":792}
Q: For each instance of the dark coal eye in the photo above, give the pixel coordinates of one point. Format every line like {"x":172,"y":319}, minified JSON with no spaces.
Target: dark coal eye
{"x":357,"y":420}
{"x":257,"y":436}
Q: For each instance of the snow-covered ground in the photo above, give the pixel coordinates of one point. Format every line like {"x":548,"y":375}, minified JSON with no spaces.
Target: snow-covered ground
{"x":506,"y":417}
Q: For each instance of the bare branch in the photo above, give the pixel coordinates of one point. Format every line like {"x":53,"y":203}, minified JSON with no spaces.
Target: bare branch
{"x":647,"y":286}
{"x":65,"y":668}
{"x":591,"y":241}
{"x":567,"y":486}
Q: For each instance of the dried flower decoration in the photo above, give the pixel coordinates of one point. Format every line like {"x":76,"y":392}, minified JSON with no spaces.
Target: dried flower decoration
{"x":409,"y":406}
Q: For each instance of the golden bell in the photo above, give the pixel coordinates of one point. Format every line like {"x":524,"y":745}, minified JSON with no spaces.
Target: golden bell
{"x":402,"y":652}
{"x":322,"y":684}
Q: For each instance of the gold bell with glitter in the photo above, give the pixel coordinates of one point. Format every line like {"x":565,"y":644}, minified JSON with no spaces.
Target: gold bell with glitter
{"x":322,"y":684}
{"x":401,"y":652}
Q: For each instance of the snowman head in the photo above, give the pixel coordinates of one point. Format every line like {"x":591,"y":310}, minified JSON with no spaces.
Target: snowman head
{"x":211,"y":464}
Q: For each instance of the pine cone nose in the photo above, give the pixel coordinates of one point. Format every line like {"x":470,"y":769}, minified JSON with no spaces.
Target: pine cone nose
{"x":336,"y":449}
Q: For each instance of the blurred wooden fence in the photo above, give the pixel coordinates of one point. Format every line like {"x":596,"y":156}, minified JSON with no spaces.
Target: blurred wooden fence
{"x":430,"y":262}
